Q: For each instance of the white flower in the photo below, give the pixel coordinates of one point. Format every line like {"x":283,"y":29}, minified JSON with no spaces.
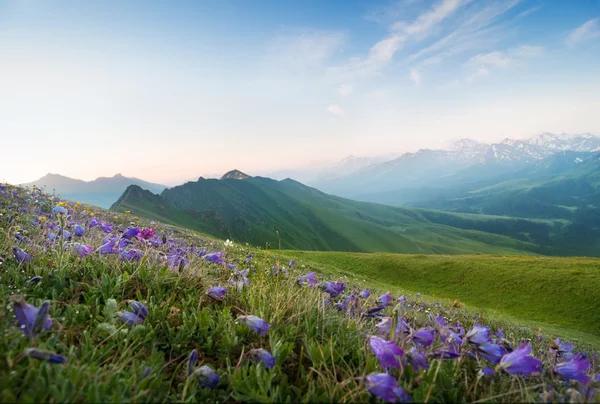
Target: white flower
{"x":228,"y":243}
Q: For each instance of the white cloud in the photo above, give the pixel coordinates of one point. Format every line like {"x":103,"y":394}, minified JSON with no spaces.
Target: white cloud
{"x":586,"y":31}
{"x":345,"y":90}
{"x":304,"y":48}
{"x":428,"y":20}
{"x":335,"y":109}
{"x":483,"y":63}
{"x":379,"y":57}
{"x":415,"y":76}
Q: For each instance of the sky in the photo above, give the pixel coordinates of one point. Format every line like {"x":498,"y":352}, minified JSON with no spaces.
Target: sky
{"x":167,"y":91}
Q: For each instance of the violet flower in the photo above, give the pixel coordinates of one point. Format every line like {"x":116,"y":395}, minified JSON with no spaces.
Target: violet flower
{"x":31,"y":317}
{"x":574,"y":369}
{"x":256,"y":324}
{"x":207,"y":376}
{"x":519,"y":362}
{"x":385,"y":387}
{"x":387,"y":352}
{"x":333,"y":288}
{"x":385,"y":300}
{"x":264,"y":356}
{"x":45,"y":356}
{"x":491,"y":352}
{"x":423,"y":337}
{"x":217,"y":292}
{"x":21,"y":256}
{"x":478,"y":335}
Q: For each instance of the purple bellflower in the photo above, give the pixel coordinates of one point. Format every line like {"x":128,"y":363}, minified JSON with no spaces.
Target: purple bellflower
{"x":256,"y":324}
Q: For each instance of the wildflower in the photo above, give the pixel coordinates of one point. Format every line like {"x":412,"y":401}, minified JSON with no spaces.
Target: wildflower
{"x":487,"y":372}
{"x":444,"y":354}
{"x":35,"y":279}
{"x":21,"y":256}
{"x":131,"y":255}
{"x":519,"y":362}
{"x":217,"y":292}
{"x":256,"y":324}
{"x":109,"y":247}
{"x":574,"y":369}
{"x":264,"y":356}
{"x":30,"y":317}
{"x":94,"y":222}
{"x":240,"y":279}
{"x":333,"y":288}
{"x":565,"y":350}
{"x":215,"y":258}
{"x":45,"y":356}
{"x":450,"y":337}
{"x":384,"y":326}
{"x":131,"y":233}
{"x":387,"y":352}
{"x":228,"y":243}
{"x":308,"y":279}
{"x":191,"y":362}
{"x":83,"y":250}
{"x":147,"y":234}
{"x":423,"y":337}
{"x":385,"y":300}
{"x":207,"y":376}
{"x":136,"y":314}
{"x":292,"y":263}
{"x":78,"y":231}
{"x":478,"y":335}
{"x":491,"y":352}
{"x":59,"y":210}
{"x":146,"y":373}
{"x":385,"y":387}
{"x":249,"y":258}
{"x":365,"y":294}
{"x":417,"y":359}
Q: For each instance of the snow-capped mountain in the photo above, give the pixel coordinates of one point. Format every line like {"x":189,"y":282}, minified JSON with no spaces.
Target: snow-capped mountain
{"x":463,"y":161}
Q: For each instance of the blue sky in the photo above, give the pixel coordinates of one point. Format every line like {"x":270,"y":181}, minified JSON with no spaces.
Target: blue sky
{"x":167,"y":91}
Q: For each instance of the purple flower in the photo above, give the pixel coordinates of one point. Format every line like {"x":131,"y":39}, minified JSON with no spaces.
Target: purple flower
{"x":308,"y":279}
{"x":94,"y":222}
{"x":441,"y":321}
{"x":215,"y":258}
{"x":365,"y":294}
{"x":264,"y":356}
{"x":207,"y":376}
{"x":109,"y":247}
{"x":59,"y":210}
{"x":478,"y":335}
{"x":191,"y":362}
{"x":385,"y":300}
{"x":131,"y":233}
{"x":450,"y":337}
{"x":131,"y":255}
{"x":291,"y":264}
{"x":423,"y":337}
{"x":518,"y":362}
{"x":256,"y":324}
{"x":487,"y":372}
{"x":384,"y":326}
{"x":444,"y":354}
{"x":83,"y":250}
{"x":417,"y":359}
{"x":387,"y":352}
{"x":21,"y":256}
{"x":106,"y":227}
{"x":249,"y":258}
{"x":565,"y":350}
{"x":333,"y":288}
{"x":78,"y":231}
{"x":491,"y":352}
{"x":385,"y":387}
{"x":30,"y":317}
{"x":147,"y":234}
{"x":574,"y":369}
{"x":217,"y":292}
{"x":45,"y":356}
{"x":136,"y":314}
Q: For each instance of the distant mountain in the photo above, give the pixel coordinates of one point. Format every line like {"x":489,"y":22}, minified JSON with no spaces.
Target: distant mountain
{"x":260,"y":210}
{"x":464,"y":163}
{"x":102,"y":191}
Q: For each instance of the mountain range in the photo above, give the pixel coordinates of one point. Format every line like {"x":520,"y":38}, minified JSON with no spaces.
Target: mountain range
{"x":466,"y":162}
{"x":291,"y":215}
{"x":102,"y":191}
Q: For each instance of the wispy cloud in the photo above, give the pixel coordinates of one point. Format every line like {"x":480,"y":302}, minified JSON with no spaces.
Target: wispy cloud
{"x":481,"y":65}
{"x":585,"y":32}
{"x":423,"y":25}
{"x":379,"y":56}
{"x":478,"y":28}
{"x":305,"y":48}
{"x":335,"y":109}
{"x":415,"y":76}
{"x":345,"y":90}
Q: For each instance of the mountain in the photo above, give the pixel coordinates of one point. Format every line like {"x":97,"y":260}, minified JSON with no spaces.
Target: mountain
{"x":102,"y":191}
{"x":260,"y":210}
{"x":464,"y":163}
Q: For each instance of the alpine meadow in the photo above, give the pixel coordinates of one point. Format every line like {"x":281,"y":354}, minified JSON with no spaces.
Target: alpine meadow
{"x":337,"y":202}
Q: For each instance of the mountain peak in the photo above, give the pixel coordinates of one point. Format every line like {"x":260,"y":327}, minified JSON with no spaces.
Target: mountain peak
{"x":234,"y":175}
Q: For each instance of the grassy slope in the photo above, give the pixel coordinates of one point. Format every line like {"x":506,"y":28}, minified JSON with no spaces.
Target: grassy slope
{"x":254,"y":210}
{"x":561,"y":292}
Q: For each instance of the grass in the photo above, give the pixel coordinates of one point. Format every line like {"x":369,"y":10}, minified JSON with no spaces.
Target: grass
{"x":322,"y":354}
{"x":560,"y":292}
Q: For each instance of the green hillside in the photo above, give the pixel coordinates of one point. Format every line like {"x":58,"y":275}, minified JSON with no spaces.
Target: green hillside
{"x":291,"y":215}
{"x":559,"y":293}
